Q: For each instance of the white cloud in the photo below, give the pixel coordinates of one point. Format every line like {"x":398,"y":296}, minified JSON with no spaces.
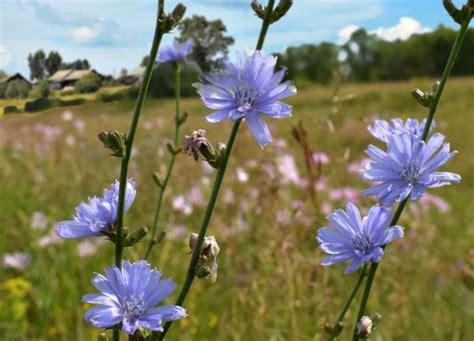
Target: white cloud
{"x":403,"y":30}
{"x":84,"y":34}
{"x":5,"y":56}
{"x":345,"y":33}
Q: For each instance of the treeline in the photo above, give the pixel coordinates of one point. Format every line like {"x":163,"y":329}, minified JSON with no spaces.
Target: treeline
{"x":365,"y":57}
{"x":42,"y":65}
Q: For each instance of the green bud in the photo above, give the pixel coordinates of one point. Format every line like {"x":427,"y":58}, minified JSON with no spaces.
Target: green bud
{"x":334,"y":330}
{"x":182,"y":118}
{"x":178,"y":12}
{"x":172,"y":149}
{"x":158,"y":180}
{"x":282,"y":8}
{"x":423,"y":98}
{"x":459,"y":15}
{"x":114,"y":141}
{"x":258,"y":9}
{"x":137,"y":235}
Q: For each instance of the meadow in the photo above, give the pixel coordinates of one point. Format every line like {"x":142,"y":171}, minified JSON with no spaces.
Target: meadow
{"x":270,"y":283}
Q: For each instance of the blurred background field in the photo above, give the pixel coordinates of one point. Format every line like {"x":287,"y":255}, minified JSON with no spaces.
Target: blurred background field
{"x":270,"y":284}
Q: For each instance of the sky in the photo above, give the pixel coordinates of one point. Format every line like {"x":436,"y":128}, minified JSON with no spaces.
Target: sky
{"x":113,"y":34}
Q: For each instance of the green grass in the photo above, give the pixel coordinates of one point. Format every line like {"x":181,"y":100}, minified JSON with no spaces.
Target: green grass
{"x":270,"y":284}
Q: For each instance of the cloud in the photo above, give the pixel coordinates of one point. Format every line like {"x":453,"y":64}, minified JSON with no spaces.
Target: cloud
{"x":345,"y":34}
{"x":405,"y":28}
{"x":5,"y":56}
{"x":84,"y":33}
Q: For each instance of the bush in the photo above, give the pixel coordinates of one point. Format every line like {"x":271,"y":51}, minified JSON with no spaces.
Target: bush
{"x":38,"y":105}
{"x":163,"y":80}
{"x":88,"y":84}
{"x":17,"y":89}
{"x":69,"y":103}
{"x":66,"y":93}
{"x":40,"y":90}
{"x":3,"y":88}
{"x":132,"y":92}
{"x":10,"y":109}
{"x":106,"y":97}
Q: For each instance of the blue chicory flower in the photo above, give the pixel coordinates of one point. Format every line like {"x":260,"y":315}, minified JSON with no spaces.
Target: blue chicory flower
{"x":175,"y":53}
{"x":408,"y":167}
{"x":249,"y":89}
{"x":382,"y":130}
{"x":98,"y":215}
{"x":130,"y":295}
{"x":351,"y":237}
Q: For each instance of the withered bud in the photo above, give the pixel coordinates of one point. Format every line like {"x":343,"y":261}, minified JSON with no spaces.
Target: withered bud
{"x":364,"y":327}
{"x":171,"y":20}
{"x":158,"y":180}
{"x":258,"y":9}
{"x":114,"y":141}
{"x":459,"y":15}
{"x":277,"y":13}
{"x":424,"y":98}
{"x":334,"y":330}
{"x":173,"y":149}
{"x":207,"y":263}
{"x":178,"y":12}
{"x":182,"y":118}
{"x":197,"y":145}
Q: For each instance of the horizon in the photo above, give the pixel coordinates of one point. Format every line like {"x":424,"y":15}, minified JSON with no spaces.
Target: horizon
{"x":99,"y":32}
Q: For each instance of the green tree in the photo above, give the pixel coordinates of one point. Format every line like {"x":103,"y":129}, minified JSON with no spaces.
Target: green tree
{"x":53,"y":62}
{"x":210,"y":42}
{"x":87,"y":84}
{"x":37,"y":62}
{"x":17,"y":89}
{"x":3,"y":75}
{"x":79,"y":64}
{"x":40,"y":90}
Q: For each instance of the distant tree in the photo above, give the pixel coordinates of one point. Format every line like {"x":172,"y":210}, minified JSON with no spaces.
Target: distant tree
{"x":360,"y":54}
{"x":17,"y":89}
{"x":3,"y":75}
{"x":37,"y":62}
{"x":53,"y":62}
{"x":3,"y":88}
{"x":144,"y":61}
{"x":79,"y":64}
{"x":123,"y":72}
{"x":211,"y":44}
{"x":40,"y":90}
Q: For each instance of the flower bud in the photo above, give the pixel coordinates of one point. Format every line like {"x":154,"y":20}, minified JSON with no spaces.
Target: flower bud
{"x":178,"y":12}
{"x":158,"y":180}
{"x":423,"y":98}
{"x":334,"y":331}
{"x":114,"y":141}
{"x":461,"y":16}
{"x":172,"y":149}
{"x":207,"y":263}
{"x":197,"y":145}
{"x":182,"y":118}
{"x":258,"y":9}
{"x":282,"y":8}
{"x":364,"y":327}
{"x":171,"y":20}
{"x":137,"y":235}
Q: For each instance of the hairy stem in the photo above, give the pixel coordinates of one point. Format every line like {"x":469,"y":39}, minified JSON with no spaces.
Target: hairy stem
{"x":433,"y":107}
{"x":152,"y":241}
{"x":216,"y":188}
{"x":129,"y":143}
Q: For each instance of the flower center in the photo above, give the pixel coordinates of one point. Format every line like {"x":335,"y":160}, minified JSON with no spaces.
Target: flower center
{"x":410,"y":173}
{"x":133,"y":307}
{"x":245,"y":96}
{"x":362,"y":243}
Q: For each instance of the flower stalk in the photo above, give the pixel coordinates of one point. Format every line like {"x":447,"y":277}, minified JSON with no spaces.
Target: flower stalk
{"x":119,"y":243}
{"x":432,"y":110}
{"x":191,"y":273}
{"x":164,"y":184}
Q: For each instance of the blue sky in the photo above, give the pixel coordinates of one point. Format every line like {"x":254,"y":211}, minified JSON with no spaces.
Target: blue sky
{"x":113,"y":34}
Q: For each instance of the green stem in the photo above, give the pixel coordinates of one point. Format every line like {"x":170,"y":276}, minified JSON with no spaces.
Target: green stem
{"x":433,"y":107}
{"x":216,"y":188}
{"x":152,"y":241}
{"x":349,"y":301}
{"x":129,"y":143}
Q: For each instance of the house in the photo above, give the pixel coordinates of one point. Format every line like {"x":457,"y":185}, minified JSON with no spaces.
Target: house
{"x":135,"y":77}
{"x":68,"y":77}
{"x":18,"y":76}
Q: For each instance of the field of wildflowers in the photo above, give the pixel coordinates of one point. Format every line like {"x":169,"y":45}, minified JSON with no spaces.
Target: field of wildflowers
{"x":270,"y":282}
{"x":254,"y":259}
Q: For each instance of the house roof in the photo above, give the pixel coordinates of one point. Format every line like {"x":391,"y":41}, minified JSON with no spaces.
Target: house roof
{"x":15,"y":76}
{"x":59,"y":75}
{"x":70,"y":75}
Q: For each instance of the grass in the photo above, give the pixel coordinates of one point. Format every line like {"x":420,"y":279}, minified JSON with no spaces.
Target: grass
{"x":270,"y":285}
